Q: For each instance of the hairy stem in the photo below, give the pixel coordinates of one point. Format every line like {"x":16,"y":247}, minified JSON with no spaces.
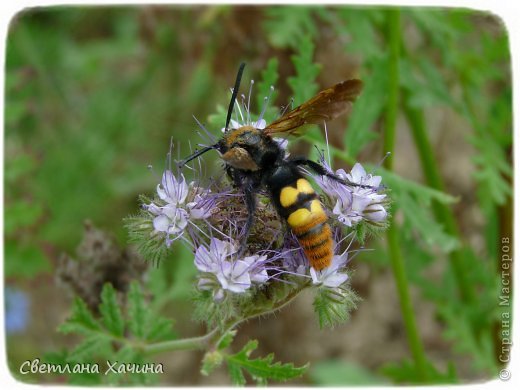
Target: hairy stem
{"x":214,"y":337}
{"x":396,"y":258}
{"x":192,"y":343}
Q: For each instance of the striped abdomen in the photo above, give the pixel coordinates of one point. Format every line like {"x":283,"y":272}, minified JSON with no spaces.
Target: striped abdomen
{"x":300,"y":205}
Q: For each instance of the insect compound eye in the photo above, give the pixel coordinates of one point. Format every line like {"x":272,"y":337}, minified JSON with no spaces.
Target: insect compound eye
{"x":222,"y":147}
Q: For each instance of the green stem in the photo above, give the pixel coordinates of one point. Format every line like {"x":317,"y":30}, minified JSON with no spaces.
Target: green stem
{"x":443,"y":213}
{"x":212,"y":338}
{"x":193,"y":343}
{"x":396,"y":258}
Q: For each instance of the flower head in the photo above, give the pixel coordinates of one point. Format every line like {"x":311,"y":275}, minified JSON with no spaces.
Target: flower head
{"x":354,"y":202}
{"x":222,"y":270}
{"x":330,"y":276}
{"x":176,"y":208}
{"x":172,"y":190}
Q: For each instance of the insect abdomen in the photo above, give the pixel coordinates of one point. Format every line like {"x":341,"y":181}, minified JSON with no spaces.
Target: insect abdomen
{"x":301,"y":207}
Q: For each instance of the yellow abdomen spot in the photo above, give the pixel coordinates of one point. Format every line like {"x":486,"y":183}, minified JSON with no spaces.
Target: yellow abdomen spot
{"x":316,"y":207}
{"x":299,"y":218}
{"x":289,"y":195}
{"x":303,"y":216}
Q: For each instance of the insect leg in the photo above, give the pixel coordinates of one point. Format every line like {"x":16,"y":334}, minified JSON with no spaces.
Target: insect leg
{"x":251,"y":207}
{"x":321,"y":170}
{"x":246,"y":185}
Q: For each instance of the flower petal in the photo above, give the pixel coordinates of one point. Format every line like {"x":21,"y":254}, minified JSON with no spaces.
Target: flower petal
{"x":357,"y":173}
{"x":260,"y":124}
{"x":376,"y":213}
{"x":335,"y":280}
{"x":161,"y":223}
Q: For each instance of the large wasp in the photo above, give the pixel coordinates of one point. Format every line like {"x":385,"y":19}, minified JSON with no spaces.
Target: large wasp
{"x":254,"y":160}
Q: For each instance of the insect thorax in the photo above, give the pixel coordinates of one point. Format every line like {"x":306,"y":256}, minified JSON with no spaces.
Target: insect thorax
{"x":248,"y":148}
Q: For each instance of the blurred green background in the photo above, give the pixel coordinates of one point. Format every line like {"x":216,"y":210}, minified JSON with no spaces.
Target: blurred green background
{"x":94,"y":95}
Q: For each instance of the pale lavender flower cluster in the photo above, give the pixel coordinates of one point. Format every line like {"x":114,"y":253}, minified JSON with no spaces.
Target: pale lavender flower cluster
{"x":355,"y":203}
{"x":173,"y":216}
{"x":221,"y":270}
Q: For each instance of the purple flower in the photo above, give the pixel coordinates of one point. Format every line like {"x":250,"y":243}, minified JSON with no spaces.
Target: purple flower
{"x":208,"y":260}
{"x":259,"y":124}
{"x":293,"y":258}
{"x":171,"y":190}
{"x":330,"y":276}
{"x":234,"y":276}
{"x":201,"y":206}
{"x":171,"y":220}
{"x":353,"y":203}
{"x":222,"y":271}
{"x":257,"y":271}
{"x":174,"y":215}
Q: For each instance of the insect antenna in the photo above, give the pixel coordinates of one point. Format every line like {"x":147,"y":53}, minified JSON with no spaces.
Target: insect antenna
{"x":235,"y":93}
{"x":196,"y":154}
{"x":200,"y":152}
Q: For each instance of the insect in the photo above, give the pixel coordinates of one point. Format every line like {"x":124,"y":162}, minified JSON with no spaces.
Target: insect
{"x":254,"y":160}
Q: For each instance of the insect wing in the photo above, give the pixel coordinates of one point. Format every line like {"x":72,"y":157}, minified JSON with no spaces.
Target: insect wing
{"x":325,"y":106}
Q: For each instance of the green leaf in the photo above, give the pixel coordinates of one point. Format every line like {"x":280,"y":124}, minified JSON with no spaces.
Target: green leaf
{"x":236,"y":375}
{"x":21,"y":214}
{"x":18,"y":166}
{"x":159,"y":328}
{"x":126,"y":354}
{"x":360,"y":27}
{"x":493,"y":168}
{"x":399,"y":183}
{"x":211,"y":360}
{"x":418,"y":218}
{"x":24,"y":259}
{"x":414,"y":201}
{"x":260,"y":369}
{"x":142,"y":320}
{"x":182,"y":273}
{"x":136,"y":311}
{"x":285,"y":25}
{"x":90,"y":348}
{"x":226,"y":340}
{"x":149,"y":243}
{"x":269,"y":79}
{"x":466,"y":342}
{"x":110,"y":311}
{"x":339,"y":373}
{"x":333,"y":307}
{"x":157,"y":282}
{"x":304,"y":84}
{"x":81,"y":378}
{"x":218,"y":119}
{"x":368,"y":108}
{"x":407,"y":373}
{"x":427,"y":87}
{"x":81,"y":320}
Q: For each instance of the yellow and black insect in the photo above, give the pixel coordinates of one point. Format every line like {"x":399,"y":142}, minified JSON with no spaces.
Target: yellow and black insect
{"x":253,"y":160}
